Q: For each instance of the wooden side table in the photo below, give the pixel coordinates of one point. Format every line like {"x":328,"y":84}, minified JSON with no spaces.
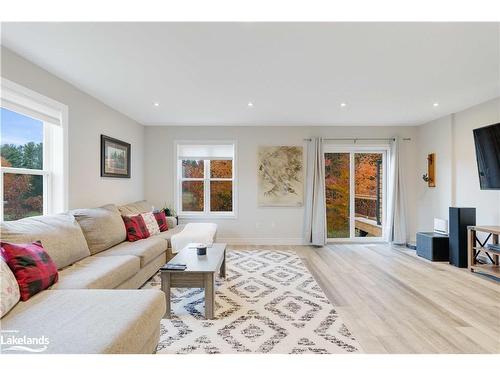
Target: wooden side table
{"x":475,"y":247}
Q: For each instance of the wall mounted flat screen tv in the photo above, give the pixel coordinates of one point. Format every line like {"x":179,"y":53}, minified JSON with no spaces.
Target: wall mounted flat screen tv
{"x":487,"y":140}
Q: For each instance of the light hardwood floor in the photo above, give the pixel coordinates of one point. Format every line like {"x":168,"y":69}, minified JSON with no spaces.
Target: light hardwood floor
{"x":395,"y":302}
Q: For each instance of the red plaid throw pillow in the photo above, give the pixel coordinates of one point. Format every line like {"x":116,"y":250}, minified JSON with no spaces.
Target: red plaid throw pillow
{"x":31,"y":265}
{"x":161,"y":218}
{"x":136,"y":228}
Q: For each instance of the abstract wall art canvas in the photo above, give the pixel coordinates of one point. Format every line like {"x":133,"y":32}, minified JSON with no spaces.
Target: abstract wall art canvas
{"x":280,"y":176}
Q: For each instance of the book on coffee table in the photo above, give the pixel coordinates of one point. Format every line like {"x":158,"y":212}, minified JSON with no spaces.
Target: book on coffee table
{"x":174,"y":267}
{"x":494,"y":246}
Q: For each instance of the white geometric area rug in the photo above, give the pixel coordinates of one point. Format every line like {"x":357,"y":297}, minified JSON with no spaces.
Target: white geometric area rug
{"x":269,"y":303}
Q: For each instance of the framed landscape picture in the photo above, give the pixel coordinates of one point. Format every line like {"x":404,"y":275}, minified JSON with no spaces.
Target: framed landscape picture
{"x":115,"y":157}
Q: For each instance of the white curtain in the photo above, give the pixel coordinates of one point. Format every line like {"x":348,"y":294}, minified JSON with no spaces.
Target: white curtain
{"x":315,"y":218}
{"x":396,"y":218}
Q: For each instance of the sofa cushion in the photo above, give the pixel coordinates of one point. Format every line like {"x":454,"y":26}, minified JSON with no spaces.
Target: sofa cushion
{"x":171,"y":222}
{"x":9,"y":289}
{"x":135,"y":208}
{"x":146,"y":250}
{"x":32,"y":266}
{"x":136,"y":228}
{"x":161,"y":220}
{"x":60,"y":235}
{"x":89,"y":321}
{"x":151,"y":223}
{"x":169,"y":233}
{"x":103,"y":227}
{"x":98,"y":272}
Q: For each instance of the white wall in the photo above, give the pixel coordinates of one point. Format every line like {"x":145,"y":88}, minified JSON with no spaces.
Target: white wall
{"x":153,"y":175}
{"x":457,"y":178}
{"x":88,"y":119}
{"x":254,"y":224}
{"x":434,"y":137}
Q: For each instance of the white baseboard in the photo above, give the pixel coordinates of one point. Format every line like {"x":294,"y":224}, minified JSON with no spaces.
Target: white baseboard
{"x":261,"y":241}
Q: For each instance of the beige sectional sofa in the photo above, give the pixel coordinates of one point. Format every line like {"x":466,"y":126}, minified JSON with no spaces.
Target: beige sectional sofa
{"x":82,"y":313}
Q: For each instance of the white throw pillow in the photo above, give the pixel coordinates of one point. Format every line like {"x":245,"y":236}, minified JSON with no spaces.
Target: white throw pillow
{"x":9,"y":293}
{"x":151,"y":223}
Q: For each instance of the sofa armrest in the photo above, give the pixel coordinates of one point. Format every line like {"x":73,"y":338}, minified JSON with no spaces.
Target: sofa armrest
{"x":171,"y":222}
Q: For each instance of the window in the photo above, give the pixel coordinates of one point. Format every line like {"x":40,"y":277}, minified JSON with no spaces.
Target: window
{"x":31,"y":153}
{"x":22,"y":165}
{"x":206,"y":179}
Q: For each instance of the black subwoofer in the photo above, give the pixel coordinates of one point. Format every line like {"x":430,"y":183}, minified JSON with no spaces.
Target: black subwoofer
{"x":460,"y":218}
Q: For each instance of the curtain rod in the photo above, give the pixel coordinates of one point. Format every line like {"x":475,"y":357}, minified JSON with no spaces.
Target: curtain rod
{"x":359,"y":139}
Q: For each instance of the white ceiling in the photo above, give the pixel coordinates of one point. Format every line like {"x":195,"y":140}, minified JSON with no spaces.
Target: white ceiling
{"x":294,"y":73}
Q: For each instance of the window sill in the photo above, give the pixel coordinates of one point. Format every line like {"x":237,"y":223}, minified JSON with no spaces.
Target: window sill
{"x":231,"y":216}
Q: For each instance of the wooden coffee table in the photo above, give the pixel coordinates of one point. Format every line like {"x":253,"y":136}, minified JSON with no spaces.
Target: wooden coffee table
{"x":200,"y":273}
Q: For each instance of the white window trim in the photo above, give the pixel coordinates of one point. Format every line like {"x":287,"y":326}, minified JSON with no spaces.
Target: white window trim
{"x":377,"y":147}
{"x":206,"y":214}
{"x":55,"y":185}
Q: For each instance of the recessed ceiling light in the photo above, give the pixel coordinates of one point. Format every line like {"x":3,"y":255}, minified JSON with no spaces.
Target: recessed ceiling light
{"x":343,"y":104}
{"x":436,"y":104}
{"x":156,"y":104}
{"x":250,"y":104}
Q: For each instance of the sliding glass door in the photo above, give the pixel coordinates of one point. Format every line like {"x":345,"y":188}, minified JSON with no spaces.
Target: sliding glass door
{"x":355,"y":179}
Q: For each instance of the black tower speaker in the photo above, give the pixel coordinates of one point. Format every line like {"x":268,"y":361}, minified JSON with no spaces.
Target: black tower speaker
{"x":460,"y":219}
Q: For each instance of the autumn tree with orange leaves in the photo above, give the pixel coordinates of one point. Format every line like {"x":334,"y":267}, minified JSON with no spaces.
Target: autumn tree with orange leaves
{"x":221,"y":192}
{"x":337,"y":183}
{"x":17,"y":189}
